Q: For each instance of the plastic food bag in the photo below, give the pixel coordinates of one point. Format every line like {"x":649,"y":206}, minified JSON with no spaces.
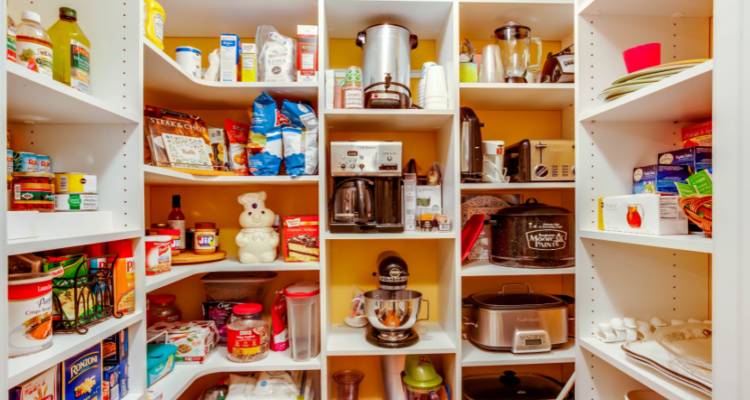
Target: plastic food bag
{"x":265,"y":148}
{"x":240,"y":387}
{"x":276,"y":385}
{"x":237,"y":135}
{"x":300,"y":147}
{"x":276,"y":57}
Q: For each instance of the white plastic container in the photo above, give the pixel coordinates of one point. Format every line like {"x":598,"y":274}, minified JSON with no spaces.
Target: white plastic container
{"x":190,"y":60}
{"x":303,"y":311}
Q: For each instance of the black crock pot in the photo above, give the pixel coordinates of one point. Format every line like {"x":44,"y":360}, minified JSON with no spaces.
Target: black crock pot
{"x":511,"y":386}
{"x":532,"y":235}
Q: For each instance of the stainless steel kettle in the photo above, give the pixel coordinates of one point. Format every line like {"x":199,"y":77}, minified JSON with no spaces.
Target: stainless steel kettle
{"x":352,"y":201}
{"x":471,"y":146}
{"x":386,"y":65}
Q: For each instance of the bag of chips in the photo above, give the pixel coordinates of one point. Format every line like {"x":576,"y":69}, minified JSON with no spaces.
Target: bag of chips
{"x":266,"y":137}
{"x":301,"y":143}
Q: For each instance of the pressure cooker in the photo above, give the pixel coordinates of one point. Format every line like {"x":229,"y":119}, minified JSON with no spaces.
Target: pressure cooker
{"x":532,"y":235}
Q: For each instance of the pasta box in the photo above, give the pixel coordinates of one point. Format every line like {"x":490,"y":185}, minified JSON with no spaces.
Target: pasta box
{"x":697,"y":158}
{"x":40,"y":387}
{"x":115,"y":348}
{"x":300,"y":238}
{"x":82,"y":375}
{"x":659,"y":178}
{"x":111,"y":382}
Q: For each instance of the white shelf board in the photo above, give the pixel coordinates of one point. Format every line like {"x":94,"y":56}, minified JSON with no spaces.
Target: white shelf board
{"x":697,"y":242}
{"x":180,"y":272}
{"x":166,"y":85}
{"x":42,"y":243}
{"x":37,"y":99}
{"x":485,"y":268}
{"x":682,"y":97}
{"x":374,"y":120}
{"x":184,"y":374}
{"x":425,"y":18}
{"x":165,"y":176}
{"x":473,"y":356}
{"x":548,"y":19}
{"x":517,"y":96}
{"x":346,"y":341}
{"x":390,"y":236}
{"x":665,"y":8}
{"x":66,"y":345}
{"x":239,"y":17}
{"x":473,"y":187}
{"x":613,"y":354}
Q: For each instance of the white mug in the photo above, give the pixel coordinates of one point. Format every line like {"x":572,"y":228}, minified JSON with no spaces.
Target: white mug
{"x":493,"y":170}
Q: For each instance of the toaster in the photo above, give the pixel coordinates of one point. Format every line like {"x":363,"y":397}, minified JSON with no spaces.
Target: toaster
{"x":541,"y":161}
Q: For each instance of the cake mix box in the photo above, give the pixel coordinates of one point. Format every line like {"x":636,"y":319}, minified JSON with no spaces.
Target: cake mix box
{"x":300,"y":238}
{"x":82,"y":375}
{"x":40,"y":387}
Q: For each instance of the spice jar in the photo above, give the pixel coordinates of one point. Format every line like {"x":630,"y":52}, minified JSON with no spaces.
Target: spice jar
{"x":205,"y":238}
{"x":247,"y":337}
{"x":161,"y":308}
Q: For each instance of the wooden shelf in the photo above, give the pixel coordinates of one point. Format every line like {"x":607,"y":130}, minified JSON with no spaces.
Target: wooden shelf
{"x":697,"y":243}
{"x":664,"y":8}
{"x":180,"y":272}
{"x":375,"y":120}
{"x":475,"y":187}
{"x":166,"y":176}
{"x":37,"y":99}
{"x":475,"y":357}
{"x":346,"y":341}
{"x":517,"y":96}
{"x":485,"y":268}
{"x":548,"y":19}
{"x":612,"y":353}
{"x":166,"y":83}
{"x":682,"y":97}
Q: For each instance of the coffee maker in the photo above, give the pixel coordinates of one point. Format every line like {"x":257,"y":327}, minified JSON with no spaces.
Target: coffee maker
{"x":366,"y":195}
{"x":392,"y":310}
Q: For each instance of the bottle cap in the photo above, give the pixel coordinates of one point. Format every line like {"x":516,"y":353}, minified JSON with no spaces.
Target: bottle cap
{"x":31,"y":16}
{"x":67,"y":13}
{"x":247,"y":309}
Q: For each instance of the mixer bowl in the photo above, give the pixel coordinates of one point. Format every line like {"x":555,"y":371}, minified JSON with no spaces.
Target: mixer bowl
{"x":398,"y":310}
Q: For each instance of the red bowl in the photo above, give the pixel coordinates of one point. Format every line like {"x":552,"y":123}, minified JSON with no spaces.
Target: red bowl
{"x":642,"y":56}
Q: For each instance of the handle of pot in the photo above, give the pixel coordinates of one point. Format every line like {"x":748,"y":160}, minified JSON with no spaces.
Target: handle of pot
{"x":413,"y":41}
{"x":428,"y":310}
{"x":361,"y":38}
{"x":505,"y":285}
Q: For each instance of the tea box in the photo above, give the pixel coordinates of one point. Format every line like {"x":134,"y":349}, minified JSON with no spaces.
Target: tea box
{"x":659,"y":178}
{"x":300,"y":238}
{"x":647,"y":213}
{"x":82,"y":375}
{"x":40,"y":387}
{"x":697,"y":158}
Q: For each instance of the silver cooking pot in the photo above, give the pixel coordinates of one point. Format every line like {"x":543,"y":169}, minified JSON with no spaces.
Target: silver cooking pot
{"x":398,"y":310}
{"x":521,"y":322}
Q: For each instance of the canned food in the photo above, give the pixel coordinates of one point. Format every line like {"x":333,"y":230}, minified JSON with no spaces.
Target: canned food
{"x":32,"y":193}
{"x":30,"y":312}
{"x":75,"y":182}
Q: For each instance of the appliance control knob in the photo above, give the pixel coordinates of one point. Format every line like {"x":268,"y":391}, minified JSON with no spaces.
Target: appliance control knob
{"x":361,"y":166}
{"x":343,"y":166}
{"x":389,"y":158}
{"x":352,"y":166}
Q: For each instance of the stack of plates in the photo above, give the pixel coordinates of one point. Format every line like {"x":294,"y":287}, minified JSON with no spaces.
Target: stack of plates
{"x":639,"y":79}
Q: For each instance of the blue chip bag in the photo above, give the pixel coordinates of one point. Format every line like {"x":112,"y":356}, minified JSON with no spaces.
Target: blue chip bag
{"x":264,"y":157}
{"x":300,"y":148}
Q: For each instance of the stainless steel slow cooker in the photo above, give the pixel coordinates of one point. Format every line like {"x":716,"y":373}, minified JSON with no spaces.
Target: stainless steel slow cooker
{"x":521,"y":322}
{"x":532,"y":235}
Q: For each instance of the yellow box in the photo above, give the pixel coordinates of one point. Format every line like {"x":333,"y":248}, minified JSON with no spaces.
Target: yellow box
{"x":75,"y":182}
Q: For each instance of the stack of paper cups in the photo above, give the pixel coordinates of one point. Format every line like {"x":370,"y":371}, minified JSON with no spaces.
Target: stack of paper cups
{"x":435,"y":89}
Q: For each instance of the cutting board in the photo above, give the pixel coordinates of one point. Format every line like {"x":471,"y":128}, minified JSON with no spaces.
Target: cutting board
{"x":188,"y":257}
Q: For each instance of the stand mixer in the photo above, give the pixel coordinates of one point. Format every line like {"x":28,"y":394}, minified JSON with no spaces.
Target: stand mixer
{"x":392,"y":310}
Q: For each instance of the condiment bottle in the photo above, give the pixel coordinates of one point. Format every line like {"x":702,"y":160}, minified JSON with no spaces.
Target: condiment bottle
{"x":247,"y":337}
{"x":72,"y":58}
{"x":176,"y":220}
{"x":33,"y":46}
{"x":205,"y":238}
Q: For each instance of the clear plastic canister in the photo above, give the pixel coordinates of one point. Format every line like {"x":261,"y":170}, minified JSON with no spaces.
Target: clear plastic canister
{"x":303,"y":311}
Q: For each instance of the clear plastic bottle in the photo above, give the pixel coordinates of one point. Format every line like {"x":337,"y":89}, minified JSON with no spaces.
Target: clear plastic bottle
{"x":33,"y":46}
{"x":11,"y":40}
{"x":72,"y":61}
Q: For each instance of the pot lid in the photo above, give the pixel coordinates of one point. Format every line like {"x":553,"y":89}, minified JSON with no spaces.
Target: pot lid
{"x":530,"y":208}
{"x":512,"y":30}
{"x":511,"y":386}
{"x":515,"y":301}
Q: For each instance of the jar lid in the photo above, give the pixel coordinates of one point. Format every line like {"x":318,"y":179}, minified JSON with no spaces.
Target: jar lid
{"x":158,"y":238}
{"x":31,"y":16}
{"x":247,"y":309}
{"x":205,"y":225}
{"x":161,"y":299}
{"x":302,"y":289}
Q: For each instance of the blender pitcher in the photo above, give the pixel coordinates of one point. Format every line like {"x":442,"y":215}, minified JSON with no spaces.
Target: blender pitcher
{"x":516,"y":44}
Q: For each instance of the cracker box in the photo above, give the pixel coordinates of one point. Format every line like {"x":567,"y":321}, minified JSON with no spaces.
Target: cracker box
{"x":697,"y":158}
{"x":659,"y":178}
{"x":300,"y":238}
{"x":82,"y":375}
{"x":647,"y":213}
{"x":40,"y":387}
{"x":194,"y":339}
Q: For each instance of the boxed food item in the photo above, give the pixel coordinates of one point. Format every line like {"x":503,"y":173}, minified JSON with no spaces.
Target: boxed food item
{"x":300,"y":238}
{"x":647,"y":213}
{"x":160,"y":361}
{"x":697,"y":158}
{"x":429,"y":200}
{"x":40,"y":387}
{"x":123,"y":272}
{"x":115,"y":348}
{"x":194,"y":339}
{"x":658,"y":178}
{"x":307,"y":53}
{"x":698,"y":135}
{"x":124,"y":378}
{"x":82,"y":375}
{"x":111,"y":382}
{"x":176,"y":139}
{"x":76,"y":202}
{"x":229,"y":49}
{"x":219,"y":312}
{"x":249,"y":62}
{"x":75,"y":182}
{"x":219,"y":151}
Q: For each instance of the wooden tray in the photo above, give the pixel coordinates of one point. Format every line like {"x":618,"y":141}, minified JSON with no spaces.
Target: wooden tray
{"x":188,"y":257}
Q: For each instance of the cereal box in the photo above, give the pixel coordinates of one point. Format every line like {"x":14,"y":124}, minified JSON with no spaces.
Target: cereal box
{"x":82,"y":375}
{"x":300,"y":238}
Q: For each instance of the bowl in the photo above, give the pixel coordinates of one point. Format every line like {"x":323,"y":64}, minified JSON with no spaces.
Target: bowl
{"x":388,"y":310}
{"x":642,"y":56}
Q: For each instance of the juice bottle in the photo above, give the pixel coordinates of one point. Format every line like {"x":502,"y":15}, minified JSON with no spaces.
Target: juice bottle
{"x":33,"y":47}
{"x":72,"y":61}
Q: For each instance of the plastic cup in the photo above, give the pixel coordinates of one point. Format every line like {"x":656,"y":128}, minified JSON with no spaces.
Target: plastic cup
{"x":642,"y":56}
{"x":303,"y":311}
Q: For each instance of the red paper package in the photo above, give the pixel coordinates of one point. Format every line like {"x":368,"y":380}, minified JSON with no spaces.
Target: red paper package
{"x":237,"y":136}
{"x":698,"y":134}
{"x":300,"y":238}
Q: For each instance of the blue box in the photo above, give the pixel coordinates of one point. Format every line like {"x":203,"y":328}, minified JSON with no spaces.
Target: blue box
{"x":658,"y":178}
{"x":82,"y":375}
{"x":697,"y":158}
{"x":111,"y":383}
{"x":124,"y":379}
{"x":115,"y":348}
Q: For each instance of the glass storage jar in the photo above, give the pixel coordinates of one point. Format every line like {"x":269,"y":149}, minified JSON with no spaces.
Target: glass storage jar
{"x":247,"y":337}
{"x":161,"y":308}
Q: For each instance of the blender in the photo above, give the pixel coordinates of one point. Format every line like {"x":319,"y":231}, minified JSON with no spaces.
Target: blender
{"x":392,"y":310}
{"x":421,"y":381}
{"x":516,"y":44}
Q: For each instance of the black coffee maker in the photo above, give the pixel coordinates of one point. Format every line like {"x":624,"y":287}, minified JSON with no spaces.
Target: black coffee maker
{"x":366,"y":195}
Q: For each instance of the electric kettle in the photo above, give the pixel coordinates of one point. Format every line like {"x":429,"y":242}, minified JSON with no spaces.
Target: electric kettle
{"x":471,"y":146}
